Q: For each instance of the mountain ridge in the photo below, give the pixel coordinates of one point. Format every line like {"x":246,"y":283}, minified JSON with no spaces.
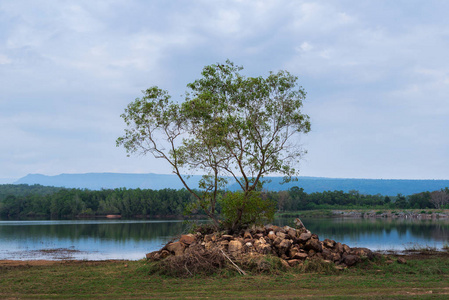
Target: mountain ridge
{"x":97,"y":181}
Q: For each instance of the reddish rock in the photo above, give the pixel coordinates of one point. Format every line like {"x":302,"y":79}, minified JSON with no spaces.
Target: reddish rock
{"x":304,"y":237}
{"x":338,"y":247}
{"x":350,"y":259}
{"x":247,"y":235}
{"x":163,"y":254}
{"x":313,"y":244}
{"x":187,"y":239}
{"x":152,"y":255}
{"x":329,"y":243}
{"x":291,"y":233}
{"x":362,"y":252}
{"x":401,"y":260}
{"x":281,"y":235}
{"x":346,"y":248}
{"x":294,"y":262}
{"x":300,"y":255}
{"x":271,"y":235}
{"x":177,"y":248}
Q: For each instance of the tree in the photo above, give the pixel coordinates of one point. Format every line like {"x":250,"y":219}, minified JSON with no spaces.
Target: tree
{"x":439,"y":198}
{"x":229,"y":127}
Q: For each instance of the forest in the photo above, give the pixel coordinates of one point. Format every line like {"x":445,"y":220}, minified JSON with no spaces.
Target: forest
{"x":37,"y":201}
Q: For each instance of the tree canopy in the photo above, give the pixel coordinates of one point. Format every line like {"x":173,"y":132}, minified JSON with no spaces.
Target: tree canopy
{"x":229,"y":126}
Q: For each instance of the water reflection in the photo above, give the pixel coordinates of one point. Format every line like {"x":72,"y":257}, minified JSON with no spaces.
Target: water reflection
{"x":380,"y":234}
{"x":121,"y":239}
{"x":108,"y":239}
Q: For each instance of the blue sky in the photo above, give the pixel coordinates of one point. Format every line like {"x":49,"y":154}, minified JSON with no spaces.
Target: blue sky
{"x":376,"y":75}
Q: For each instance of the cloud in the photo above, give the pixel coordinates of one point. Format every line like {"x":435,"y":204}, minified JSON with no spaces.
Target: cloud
{"x":376,"y":74}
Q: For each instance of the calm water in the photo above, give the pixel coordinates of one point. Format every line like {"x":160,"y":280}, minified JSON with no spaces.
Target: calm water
{"x":132,"y":239}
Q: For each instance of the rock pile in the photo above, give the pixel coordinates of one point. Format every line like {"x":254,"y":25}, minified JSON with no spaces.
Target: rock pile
{"x":292,"y":246}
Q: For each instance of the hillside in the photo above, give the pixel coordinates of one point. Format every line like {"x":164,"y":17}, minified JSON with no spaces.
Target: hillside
{"x":97,"y":181}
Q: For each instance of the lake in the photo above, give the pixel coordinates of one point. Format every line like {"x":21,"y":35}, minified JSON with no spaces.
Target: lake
{"x":132,"y":239}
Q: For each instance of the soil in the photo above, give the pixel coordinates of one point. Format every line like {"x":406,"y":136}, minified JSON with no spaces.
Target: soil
{"x":41,"y":262}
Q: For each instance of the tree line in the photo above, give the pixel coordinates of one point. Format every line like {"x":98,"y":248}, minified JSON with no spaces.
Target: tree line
{"x":21,"y":201}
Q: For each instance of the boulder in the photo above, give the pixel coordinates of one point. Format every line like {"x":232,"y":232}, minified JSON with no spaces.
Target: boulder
{"x":328,"y":243}
{"x":271,"y":235}
{"x":235,"y":247}
{"x":291,"y":233}
{"x":227,"y":237}
{"x":247,"y":235}
{"x":294,"y":262}
{"x":281,"y":235}
{"x":362,"y":252}
{"x":177,"y":248}
{"x":300,"y":255}
{"x":153,"y":255}
{"x":163,"y":254}
{"x":350,"y":259}
{"x":313,"y":244}
{"x":304,"y":237}
{"x":401,"y":260}
{"x":187,"y":239}
{"x":338,"y":247}
{"x":264,"y":249}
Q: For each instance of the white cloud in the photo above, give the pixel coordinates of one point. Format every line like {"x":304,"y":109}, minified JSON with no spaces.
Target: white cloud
{"x":376,"y":74}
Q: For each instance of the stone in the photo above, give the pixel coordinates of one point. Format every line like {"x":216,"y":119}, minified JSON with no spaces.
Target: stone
{"x":346,"y":248}
{"x":285,"y":244}
{"x":235,"y":247}
{"x":277,"y":228}
{"x":300,"y":255}
{"x":277,"y":241}
{"x":187,"y":239}
{"x":329,"y":243}
{"x":271,"y":235}
{"x":227,"y":237}
{"x":401,"y":260}
{"x":335,"y":256}
{"x":362,"y":252}
{"x":350,"y":259}
{"x":285,"y":263}
{"x":224,"y":243}
{"x":313,"y":244}
{"x":163,"y":254}
{"x":338,"y":247}
{"x":151,"y":255}
{"x":208,"y":245}
{"x":281,"y":235}
{"x":247,"y":235}
{"x":294,"y":262}
{"x":304,"y":237}
{"x":209,"y":237}
{"x":291,"y":233}
{"x":177,"y":248}
{"x":264,"y":249}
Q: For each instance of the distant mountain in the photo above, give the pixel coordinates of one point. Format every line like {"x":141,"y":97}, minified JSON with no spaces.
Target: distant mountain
{"x":390,"y":187}
{"x":96,"y":181}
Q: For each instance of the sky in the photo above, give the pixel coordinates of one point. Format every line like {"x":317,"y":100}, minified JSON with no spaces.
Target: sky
{"x":376,"y":75}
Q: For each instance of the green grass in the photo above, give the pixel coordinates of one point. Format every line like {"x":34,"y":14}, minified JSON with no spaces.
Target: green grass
{"x":423,"y":276}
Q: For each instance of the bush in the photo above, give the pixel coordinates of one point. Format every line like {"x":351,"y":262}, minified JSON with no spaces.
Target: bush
{"x":241,"y":210}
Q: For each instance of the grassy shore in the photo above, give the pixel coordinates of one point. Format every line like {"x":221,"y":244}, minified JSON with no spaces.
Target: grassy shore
{"x":423,"y":276}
